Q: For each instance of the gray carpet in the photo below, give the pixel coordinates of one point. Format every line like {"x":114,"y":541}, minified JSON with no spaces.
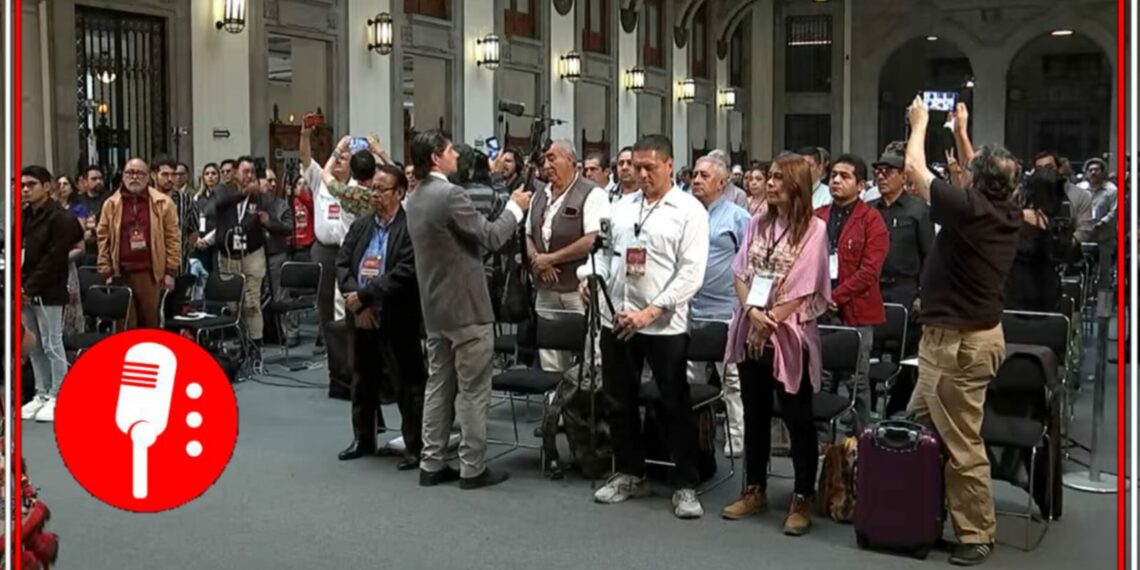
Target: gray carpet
{"x":285,"y":502}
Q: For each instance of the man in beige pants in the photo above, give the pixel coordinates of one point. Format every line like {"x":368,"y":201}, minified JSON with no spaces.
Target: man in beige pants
{"x":962,"y":341}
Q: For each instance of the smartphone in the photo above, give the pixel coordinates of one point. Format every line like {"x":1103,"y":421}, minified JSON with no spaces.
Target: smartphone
{"x":493,"y":148}
{"x":357,"y":144}
{"x":940,"y":100}
{"x":259,"y":168}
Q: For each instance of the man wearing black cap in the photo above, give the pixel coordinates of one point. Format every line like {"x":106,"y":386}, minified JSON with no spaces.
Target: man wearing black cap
{"x":908,"y":223}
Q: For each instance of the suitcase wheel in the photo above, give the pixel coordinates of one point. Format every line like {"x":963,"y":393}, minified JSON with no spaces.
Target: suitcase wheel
{"x":922,"y":553}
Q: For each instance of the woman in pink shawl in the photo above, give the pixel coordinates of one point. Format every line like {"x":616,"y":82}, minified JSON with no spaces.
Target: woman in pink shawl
{"x":783,"y":286}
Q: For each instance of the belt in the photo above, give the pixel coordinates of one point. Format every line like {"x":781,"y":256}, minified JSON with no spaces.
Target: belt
{"x":323,"y":244}
{"x":242,"y":255}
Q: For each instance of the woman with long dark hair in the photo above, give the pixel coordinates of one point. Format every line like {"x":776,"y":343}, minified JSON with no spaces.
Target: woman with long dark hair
{"x":1045,"y":241}
{"x":783,"y":286}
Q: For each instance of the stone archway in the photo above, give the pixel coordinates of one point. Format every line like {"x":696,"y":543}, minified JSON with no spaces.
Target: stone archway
{"x":919,"y":64}
{"x":1059,"y":97}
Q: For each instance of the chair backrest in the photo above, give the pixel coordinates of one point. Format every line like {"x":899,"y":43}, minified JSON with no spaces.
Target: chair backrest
{"x":560,"y":330}
{"x":224,"y":287}
{"x":890,"y":337}
{"x":840,"y":349}
{"x":1050,"y":330}
{"x":707,"y":341}
{"x":108,"y":302}
{"x":88,"y":277}
{"x":300,"y":276}
{"x":1071,"y":287}
{"x":1022,"y":382}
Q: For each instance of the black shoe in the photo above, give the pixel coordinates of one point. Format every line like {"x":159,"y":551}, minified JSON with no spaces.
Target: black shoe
{"x":357,"y":450}
{"x":445,"y":475}
{"x":486,"y":479}
{"x":408,"y":463}
{"x":971,"y":554}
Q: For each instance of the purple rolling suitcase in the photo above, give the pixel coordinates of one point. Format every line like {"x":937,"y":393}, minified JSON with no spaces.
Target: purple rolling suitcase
{"x":898,"y":488}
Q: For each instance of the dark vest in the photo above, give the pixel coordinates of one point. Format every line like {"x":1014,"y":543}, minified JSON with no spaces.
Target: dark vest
{"x":565,"y":229}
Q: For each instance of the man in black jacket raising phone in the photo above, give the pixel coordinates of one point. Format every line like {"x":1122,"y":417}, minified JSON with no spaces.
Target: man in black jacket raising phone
{"x":376,"y":273}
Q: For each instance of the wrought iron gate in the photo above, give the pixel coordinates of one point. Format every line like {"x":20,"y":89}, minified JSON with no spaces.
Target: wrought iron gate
{"x":121,"y":86}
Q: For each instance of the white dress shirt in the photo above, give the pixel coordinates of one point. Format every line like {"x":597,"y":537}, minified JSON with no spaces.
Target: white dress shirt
{"x":675,"y":232}
{"x":596,"y":207}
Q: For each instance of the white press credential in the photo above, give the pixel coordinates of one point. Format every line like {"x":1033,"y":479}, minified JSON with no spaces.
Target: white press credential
{"x":145,"y":392}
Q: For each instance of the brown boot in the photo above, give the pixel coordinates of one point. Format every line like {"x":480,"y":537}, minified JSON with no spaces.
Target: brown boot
{"x":752,"y":501}
{"x":798,"y":520}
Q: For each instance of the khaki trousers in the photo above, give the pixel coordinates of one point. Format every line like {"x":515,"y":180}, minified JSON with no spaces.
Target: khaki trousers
{"x":954,"y":370}
{"x":146,"y":293}
{"x":458,"y":387}
{"x":252,"y":266}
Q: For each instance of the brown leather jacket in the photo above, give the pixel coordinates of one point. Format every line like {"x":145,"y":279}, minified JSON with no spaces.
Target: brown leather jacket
{"x":165,"y":241}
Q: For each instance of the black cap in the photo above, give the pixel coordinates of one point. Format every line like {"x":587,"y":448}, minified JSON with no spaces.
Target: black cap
{"x":890,"y":159}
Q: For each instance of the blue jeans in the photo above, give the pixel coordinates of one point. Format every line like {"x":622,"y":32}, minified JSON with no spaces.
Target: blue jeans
{"x":49,"y":361}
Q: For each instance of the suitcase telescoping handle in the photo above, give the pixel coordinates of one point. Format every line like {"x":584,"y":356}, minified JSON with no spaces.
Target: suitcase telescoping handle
{"x":898,"y":435}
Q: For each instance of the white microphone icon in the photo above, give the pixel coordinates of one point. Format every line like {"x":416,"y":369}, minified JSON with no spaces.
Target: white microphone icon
{"x":145,"y":392}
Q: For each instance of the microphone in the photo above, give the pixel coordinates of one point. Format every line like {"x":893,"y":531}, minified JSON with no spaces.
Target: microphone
{"x":512,"y":107}
{"x":145,"y":391}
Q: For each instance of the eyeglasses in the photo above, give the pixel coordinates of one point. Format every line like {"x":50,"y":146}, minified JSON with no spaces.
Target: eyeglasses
{"x":885,"y":170}
{"x":31,"y":184}
{"x":134,"y":173}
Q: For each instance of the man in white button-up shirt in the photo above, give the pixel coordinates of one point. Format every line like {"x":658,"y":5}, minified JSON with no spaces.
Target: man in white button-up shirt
{"x":660,"y":250}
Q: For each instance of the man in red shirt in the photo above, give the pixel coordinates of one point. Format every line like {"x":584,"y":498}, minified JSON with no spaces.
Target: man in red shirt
{"x":139,"y":242}
{"x":857,"y":247}
{"x":301,"y":199}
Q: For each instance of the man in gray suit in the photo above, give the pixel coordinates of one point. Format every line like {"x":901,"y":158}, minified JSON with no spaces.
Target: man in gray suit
{"x":448,"y":234}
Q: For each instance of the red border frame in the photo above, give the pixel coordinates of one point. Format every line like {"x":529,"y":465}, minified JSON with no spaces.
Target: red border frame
{"x":1123,"y":218}
{"x":15,"y":429}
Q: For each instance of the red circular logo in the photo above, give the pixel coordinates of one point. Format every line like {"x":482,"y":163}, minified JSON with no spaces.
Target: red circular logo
{"x":146,"y":421}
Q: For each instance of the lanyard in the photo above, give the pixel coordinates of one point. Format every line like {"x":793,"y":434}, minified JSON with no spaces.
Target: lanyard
{"x":242,"y":209}
{"x":772,"y":249}
{"x":641,"y":208}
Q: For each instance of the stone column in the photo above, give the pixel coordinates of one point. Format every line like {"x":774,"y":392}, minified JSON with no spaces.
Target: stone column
{"x":223,"y":102}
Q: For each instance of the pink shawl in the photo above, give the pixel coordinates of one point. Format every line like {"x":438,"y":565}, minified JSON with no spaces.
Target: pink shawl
{"x":808,"y":279}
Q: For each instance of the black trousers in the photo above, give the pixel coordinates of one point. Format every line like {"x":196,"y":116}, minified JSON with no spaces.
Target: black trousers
{"x":758,"y":389}
{"x":388,"y":365}
{"x":325,"y":255}
{"x":622,"y":363}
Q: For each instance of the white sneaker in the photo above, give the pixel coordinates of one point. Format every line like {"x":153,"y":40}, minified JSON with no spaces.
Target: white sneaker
{"x":686,"y":505}
{"x":621,"y":487}
{"x":30,"y":409}
{"x":47,"y":412}
{"x":736,"y":451}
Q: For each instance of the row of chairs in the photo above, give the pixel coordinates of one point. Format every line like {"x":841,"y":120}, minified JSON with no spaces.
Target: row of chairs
{"x":566,"y":331}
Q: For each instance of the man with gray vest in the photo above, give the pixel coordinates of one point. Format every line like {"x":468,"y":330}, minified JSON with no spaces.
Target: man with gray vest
{"x":560,"y":230}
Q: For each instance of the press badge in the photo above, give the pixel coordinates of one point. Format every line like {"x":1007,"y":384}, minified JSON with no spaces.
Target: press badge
{"x":202,"y":225}
{"x":833,"y":266}
{"x":370,"y":267}
{"x":635,"y":258}
{"x":334,"y":212}
{"x":760,"y":292}
{"x":237,"y":242}
{"x":138,"y":240}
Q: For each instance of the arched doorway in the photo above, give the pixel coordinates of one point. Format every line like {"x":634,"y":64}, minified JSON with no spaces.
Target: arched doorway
{"x":1059,"y":97}
{"x":921,"y":64}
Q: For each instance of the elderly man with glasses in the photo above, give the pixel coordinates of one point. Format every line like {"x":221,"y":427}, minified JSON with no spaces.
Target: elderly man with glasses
{"x":139,"y":242}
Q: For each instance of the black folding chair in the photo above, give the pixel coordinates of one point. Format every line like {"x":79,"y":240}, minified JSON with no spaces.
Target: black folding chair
{"x":1020,"y":403}
{"x":887,"y":351}
{"x":107,"y":305}
{"x":299,"y":284}
{"x":840,"y":358}
{"x":555,"y":330}
{"x":222,"y":291}
{"x":707,"y":342}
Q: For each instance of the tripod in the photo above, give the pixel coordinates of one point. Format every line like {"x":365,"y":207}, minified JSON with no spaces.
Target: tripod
{"x":595,"y":283}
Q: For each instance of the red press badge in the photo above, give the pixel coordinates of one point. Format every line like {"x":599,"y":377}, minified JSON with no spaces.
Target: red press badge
{"x":370,"y":267}
{"x":334,"y":212}
{"x":635,"y":257}
{"x":138,"y":240}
